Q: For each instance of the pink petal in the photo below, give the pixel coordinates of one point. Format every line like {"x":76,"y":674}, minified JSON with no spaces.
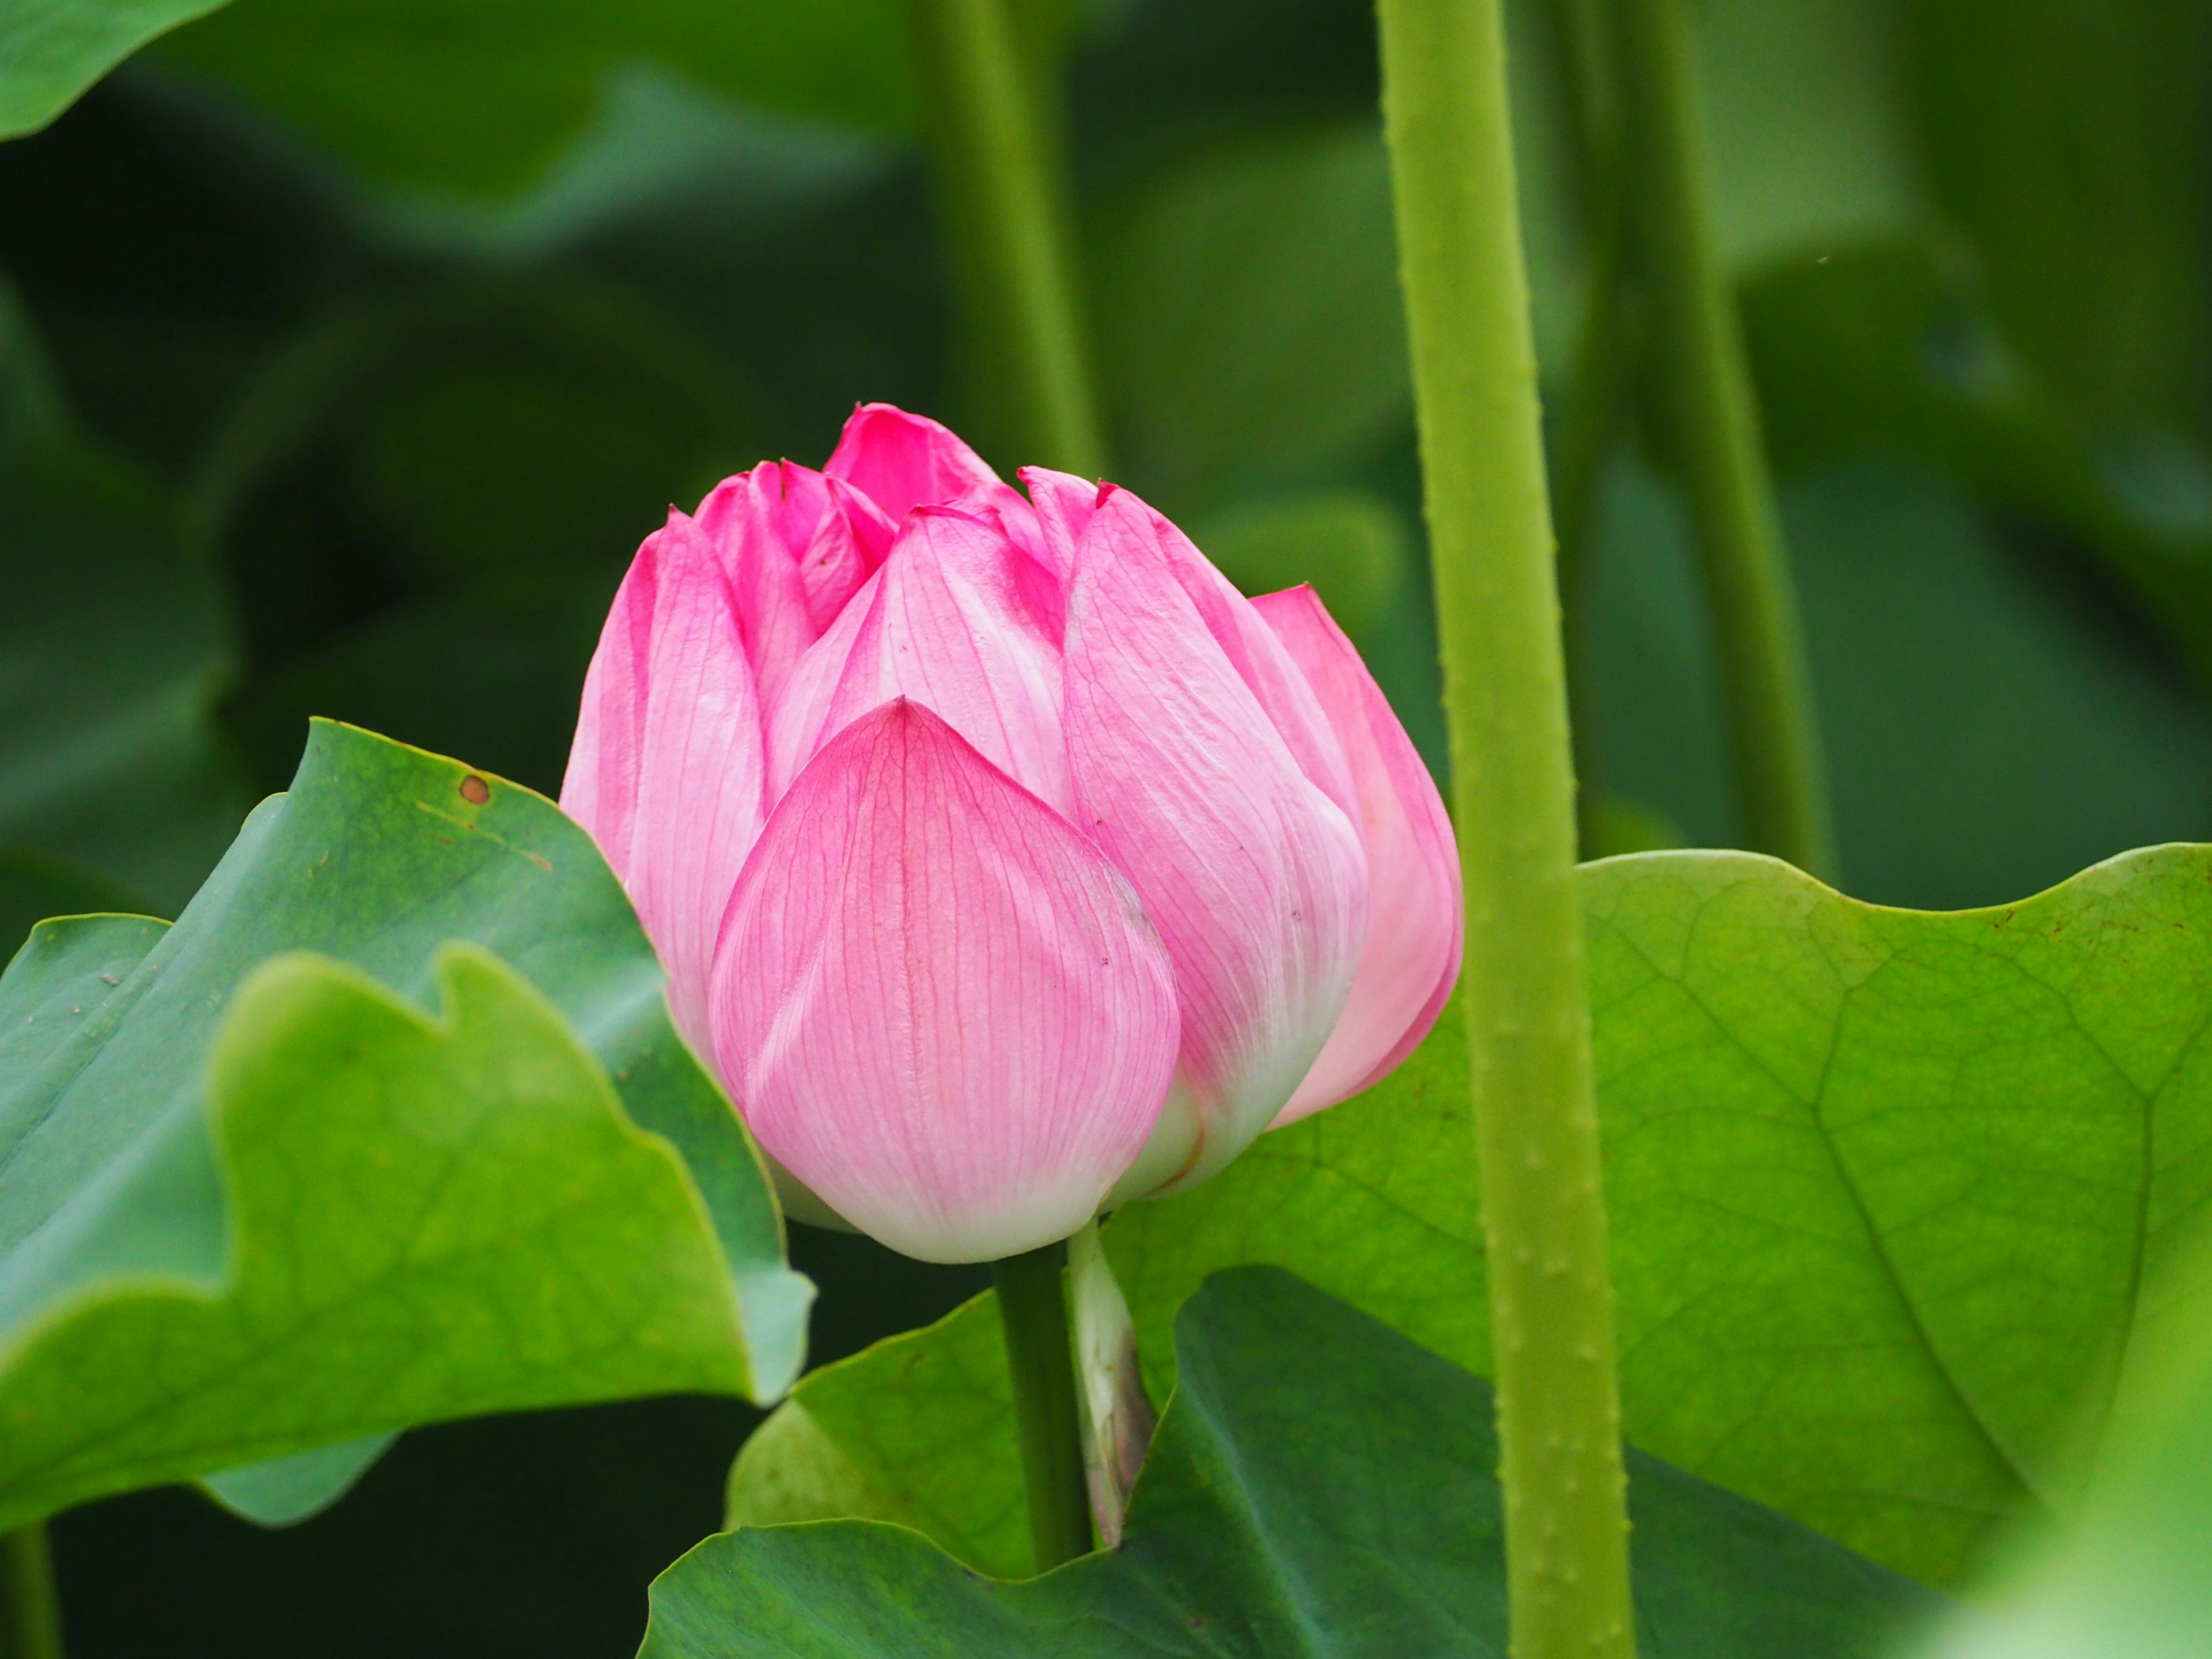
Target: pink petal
{"x":952,"y":621}
{"x":758,"y":523}
{"x":667,"y":769}
{"x":1063,"y":505}
{"x":1254,"y":878}
{"x":1259,"y":658}
{"x":938,"y":1007}
{"x":1415,"y":921}
{"x":862,"y":526}
{"x":904,"y":461}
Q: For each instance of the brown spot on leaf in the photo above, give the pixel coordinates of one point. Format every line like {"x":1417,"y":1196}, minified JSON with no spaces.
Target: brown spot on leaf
{"x":474,"y":790}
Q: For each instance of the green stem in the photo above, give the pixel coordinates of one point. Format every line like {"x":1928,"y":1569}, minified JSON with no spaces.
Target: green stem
{"x":1001,"y":187}
{"x":29,"y":1604}
{"x":1523,"y":990}
{"x":1033,"y":1307}
{"x":1712,"y":417}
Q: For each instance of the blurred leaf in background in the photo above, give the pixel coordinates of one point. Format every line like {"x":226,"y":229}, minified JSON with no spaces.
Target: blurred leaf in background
{"x":115,"y":642}
{"x":478,"y":99}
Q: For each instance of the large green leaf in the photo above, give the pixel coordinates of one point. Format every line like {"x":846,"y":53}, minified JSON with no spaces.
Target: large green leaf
{"x":1319,"y":1485}
{"x":2130,"y":1575}
{"x":163,"y":1179}
{"x":1883,"y":1185}
{"x":51,"y":49}
{"x":477,"y":96}
{"x":114,"y":644}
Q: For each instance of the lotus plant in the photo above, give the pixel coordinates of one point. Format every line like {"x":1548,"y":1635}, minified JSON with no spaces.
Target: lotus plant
{"x":1006,"y":863}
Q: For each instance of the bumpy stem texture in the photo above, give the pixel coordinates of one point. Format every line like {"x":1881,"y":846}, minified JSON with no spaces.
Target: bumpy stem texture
{"x":1033,"y":1307}
{"x":1001,"y":190}
{"x":30,"y":1608}
{"x":1712,"y":418}
{"x":1522,"y":987}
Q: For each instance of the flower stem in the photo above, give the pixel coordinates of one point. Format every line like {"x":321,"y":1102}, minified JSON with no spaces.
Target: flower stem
{"x":1033,"y":1307}
{"x":30,"y":1606}
{"x":1523,"y":989}
{"x":1711,"y":415}
{"x":1001,"y":187}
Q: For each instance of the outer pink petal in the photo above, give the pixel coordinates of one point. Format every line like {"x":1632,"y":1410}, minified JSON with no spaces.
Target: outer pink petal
{"x":904,"y":461}
{"x":1064,"y":504}
{"x":937,"y":1004}
{"x":666,"y":769}
{"x":1257,"y":655}
{"x":1415,"y":922}
{"x":951,"y":622}
{"x":1255,"y":879}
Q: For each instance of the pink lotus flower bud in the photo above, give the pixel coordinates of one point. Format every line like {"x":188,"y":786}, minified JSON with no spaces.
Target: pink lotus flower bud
{"x":1005,"y":860}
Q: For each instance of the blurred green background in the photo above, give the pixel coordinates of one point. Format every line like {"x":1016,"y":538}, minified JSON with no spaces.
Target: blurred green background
{"x":348,"y":347}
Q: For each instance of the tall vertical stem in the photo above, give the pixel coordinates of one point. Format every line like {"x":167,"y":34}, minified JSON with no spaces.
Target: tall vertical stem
{"x":1033,"y":1307}
{"x":1001,"y":186}
{"x":1523,"y":991}
{"x":1712,"y":419}
{"x":30,"y":1607}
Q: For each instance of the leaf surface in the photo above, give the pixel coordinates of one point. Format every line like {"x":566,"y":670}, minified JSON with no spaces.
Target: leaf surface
{"x":1318,"y":1485}
{"x":149,"y":1172}
{"x":1883,"y":1187}
{"x":51,"y":49}
{"x":477,"y":99}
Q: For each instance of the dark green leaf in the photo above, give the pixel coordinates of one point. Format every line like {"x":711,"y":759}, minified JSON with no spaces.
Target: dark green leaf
{"x":127,"y":1157}
{"x":1319,"y":1485}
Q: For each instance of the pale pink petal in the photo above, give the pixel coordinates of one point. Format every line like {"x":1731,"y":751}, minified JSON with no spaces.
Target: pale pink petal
{"x":951,"y":622}
{"x":1041,"y":578}
{"x":936,"y":1004}
{"x":1415,"y":922}
{"x":667,"y":769}
{"x":904,"y":461}
{"x":1258,"y":657}
{"x":1063,"y":504}
{"x":798,"y":712}
{"x":1254,"y":878}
